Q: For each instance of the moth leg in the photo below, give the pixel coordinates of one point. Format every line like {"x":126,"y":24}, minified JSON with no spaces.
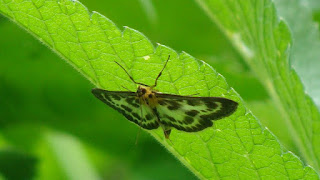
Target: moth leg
{"x":167,"y":132}
{"x":166,"y":129}
{"x":125,"y":88}
{"x":140,"y":122}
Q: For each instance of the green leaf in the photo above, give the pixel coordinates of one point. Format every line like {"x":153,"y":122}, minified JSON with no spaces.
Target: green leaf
{"x":16,"y":165}
{"x":265,"y":43}
{"x":305,"y":52}
{"x":236,"y":147}
{"x":71,"y":157}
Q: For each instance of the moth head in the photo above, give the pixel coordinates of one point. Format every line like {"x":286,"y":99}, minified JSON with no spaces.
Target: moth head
{"x":142,"y":90}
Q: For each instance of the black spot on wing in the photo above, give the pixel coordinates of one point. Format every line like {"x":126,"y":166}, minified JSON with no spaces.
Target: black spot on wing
{"x":188,"y":120}
{"x":106,"y":97}
{"x":148,"y":117}
{"x":149,"y":126}
{"x":205,"y":123}
{"x":193,"y":102}
{"x":162,"y":102}
{"x":126,"y":108}
{"x":116,"y":97}
{"x":133,"y":102}
{"x":211,"y":104}
{"x":209,"y":117}
{"x":170,"y":118}
{"x":196,"y":127}
{"x":192,"y":113}
{"x":135,"y":115}
{"x":173,"y":105}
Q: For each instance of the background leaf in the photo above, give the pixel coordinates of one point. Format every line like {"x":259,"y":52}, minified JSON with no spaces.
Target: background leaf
{"x":234,"y":134}
{"x":16,"y":165}
{"x":306,"y":45}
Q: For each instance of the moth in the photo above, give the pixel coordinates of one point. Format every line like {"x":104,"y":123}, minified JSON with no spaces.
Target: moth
{"x":150,"y":109}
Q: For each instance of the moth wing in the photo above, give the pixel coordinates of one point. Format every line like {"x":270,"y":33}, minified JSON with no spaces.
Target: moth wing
{"x":192,"y":114}
{"x":127,"y":103}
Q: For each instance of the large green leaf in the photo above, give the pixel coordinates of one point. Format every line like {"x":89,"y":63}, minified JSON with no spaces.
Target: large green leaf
{"x":265,"y":41}
{"x":237,"y":147}
{"x":71,"y":156}
{"x":16,"y":165}
{"x":305,"y":52}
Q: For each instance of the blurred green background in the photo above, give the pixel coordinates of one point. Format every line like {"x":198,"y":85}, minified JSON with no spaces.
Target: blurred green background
{"x":52,"y":127}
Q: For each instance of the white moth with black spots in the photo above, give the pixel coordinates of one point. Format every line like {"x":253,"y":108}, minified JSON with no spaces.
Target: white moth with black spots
{"x":150,"y":109}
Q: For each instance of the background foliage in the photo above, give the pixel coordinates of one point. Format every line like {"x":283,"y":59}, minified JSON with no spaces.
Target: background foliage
{"x":56,"y":141}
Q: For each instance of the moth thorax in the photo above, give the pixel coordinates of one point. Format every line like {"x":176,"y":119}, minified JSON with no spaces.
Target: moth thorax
{"x":147,"y":96}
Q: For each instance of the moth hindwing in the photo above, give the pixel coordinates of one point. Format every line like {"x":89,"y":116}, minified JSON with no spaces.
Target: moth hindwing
{"x":150,"y":109}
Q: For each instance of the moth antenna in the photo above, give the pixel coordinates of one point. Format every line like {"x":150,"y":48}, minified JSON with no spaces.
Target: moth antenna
{"x":129,"y":75}
{"x":125,"y":88}
{"x":155,"y":84}
{"x":193,"y":94}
